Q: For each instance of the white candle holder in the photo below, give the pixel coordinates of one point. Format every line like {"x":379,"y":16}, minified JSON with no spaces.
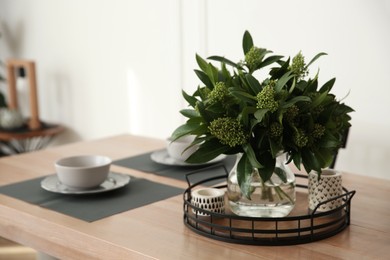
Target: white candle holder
{"x":210,"y":199}
{"x":328,"y":186}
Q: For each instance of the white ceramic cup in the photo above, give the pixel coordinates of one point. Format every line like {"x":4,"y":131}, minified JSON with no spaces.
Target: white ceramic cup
{"x":84,"y":171}
{"x":210,"y":199}
{"x":328,"y":186}
{"x":177,"y":149}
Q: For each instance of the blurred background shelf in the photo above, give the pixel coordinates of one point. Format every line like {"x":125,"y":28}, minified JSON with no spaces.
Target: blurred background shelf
{"x":23,"y":139}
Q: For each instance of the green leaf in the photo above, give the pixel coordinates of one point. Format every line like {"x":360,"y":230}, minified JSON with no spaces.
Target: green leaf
{"x":207,"y":151}
{"x":296,"y":157}
{"x":319,"y":99}
{"x":203,"y":112}
{"x":224,"y":60}
{"x":325,"y":157}
{"x":243,"y":84}
{"x":268,"y":163}
{"x":244,"y":115}
{"x":276,"y":147}
{"x":293,"y":85}
{"x":204,"y":78}
{"x":195,"y":120}
{"x":190,"y":113}
{"x":203,"y":65}
{"x":269,"y":60}
{"x":281,"y":174}
{"x":213,"y":73}
{"x":294,"y":100}
{"x":216,"y":108}
{"x":329,"y":141}
{"x":183,"y":130}
{"x":225,"y":74}
{"x":311,"y":86}
{"x":282,"y":81}
{"x":190,"y":99}
{"x":328,"y":86}
{"x":253,"y":83}
{"x":244,"y":174}
{"x":260,"y":113}
{"x":251,"y":156}
{"x":277,"y":73}
{"x":243,"y":95}
{"x":241,"y":170}
{"x":280,"y":116}
{"x":247,"y":42}
{"x":315,"y":58}
{"x":301,"y":85}
{"x":309,"y":161}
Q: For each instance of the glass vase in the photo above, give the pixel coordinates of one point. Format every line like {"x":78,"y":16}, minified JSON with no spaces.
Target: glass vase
{"x":273,"y":198}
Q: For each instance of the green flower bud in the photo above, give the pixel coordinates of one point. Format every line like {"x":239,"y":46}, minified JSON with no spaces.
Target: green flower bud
{"x":291,"y":113}
{"x":218,"y":94}
{"x":204,"y":92}
{"x":300,"y":138}
{"x":253,"y":57}
{"x":318,"y":110}
{"x":228,"y":130}
{"x":298,"y":65}
{"x":318,"y":131}
{"x":276,"y":130}
{"x":266,"y":99}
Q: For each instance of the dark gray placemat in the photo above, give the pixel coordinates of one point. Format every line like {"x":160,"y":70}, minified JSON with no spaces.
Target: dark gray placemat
{"x":92,"y":207}
{"x":143,"y":162}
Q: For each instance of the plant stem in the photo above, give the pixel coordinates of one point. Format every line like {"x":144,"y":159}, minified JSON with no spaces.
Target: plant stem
{"x":281,"y":193}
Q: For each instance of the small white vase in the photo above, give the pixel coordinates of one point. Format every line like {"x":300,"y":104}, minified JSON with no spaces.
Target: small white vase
{"x":328,"y":186}
{"x":10,"y":119}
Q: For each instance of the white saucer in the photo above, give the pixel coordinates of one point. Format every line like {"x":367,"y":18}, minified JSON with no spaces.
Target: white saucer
{"x":163,"y":157}
{"x":113,"y":181}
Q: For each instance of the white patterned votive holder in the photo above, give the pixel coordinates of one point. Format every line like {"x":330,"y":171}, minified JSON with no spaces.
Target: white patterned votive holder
{"x":210,"y":199}
{"x":328,"y":186}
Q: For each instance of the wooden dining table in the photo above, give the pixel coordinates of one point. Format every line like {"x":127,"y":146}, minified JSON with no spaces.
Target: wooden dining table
{"x":156,"y":230}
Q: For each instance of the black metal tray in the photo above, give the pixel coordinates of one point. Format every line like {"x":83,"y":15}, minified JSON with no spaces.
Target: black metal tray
{"x":301,"y":226}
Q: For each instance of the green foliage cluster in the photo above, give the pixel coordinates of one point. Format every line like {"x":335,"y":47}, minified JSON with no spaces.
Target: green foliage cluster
{"x":233,"y":112}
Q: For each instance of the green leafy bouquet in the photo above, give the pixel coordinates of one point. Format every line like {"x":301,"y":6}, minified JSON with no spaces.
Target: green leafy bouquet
{"x":233,"y":112}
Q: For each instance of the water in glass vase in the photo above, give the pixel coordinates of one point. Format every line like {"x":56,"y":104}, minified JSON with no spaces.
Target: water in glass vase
{"x":273,"y":198}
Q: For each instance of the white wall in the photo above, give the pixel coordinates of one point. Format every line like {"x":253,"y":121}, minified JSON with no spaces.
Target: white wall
{"x":356,"y":36}
{"x":93,"y":56}
{"x":109,"y":67}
